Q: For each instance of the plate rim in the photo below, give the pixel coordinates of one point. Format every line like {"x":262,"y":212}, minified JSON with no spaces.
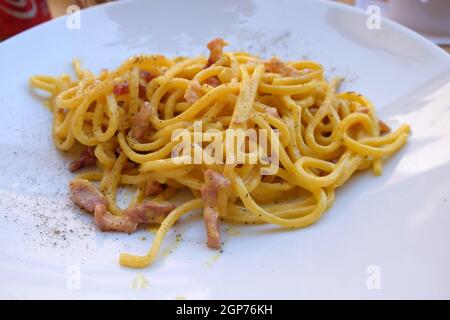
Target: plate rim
{"x":437,"y":50}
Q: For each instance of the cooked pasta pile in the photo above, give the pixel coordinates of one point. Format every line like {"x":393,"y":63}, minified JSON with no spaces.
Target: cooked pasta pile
{"x":125,"y":120}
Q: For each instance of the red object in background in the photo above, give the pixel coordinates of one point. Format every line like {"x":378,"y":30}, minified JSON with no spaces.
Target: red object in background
{"x":19,"y":15}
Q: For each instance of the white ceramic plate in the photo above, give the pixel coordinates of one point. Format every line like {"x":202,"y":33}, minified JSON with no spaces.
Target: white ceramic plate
{"x":385,"y":237}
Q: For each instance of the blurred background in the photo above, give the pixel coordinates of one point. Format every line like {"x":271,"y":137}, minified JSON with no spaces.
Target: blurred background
{"x":431,"y":18}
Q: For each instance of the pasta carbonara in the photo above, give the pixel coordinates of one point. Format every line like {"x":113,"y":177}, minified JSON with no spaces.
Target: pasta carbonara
{"x":126,"y":119}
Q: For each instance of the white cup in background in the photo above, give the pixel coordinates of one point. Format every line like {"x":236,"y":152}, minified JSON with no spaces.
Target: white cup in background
{"x":429,"y":17}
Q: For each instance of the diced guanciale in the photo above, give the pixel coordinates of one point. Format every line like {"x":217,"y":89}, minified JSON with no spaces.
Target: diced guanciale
{"x":140,"y":124}
{"x":214,"y":182}
{"x":86,"y":195}
{"x":87,"y":158}
{"x":215,"y":47}
{"x":149,"y":211}
{"x":106,"y":221}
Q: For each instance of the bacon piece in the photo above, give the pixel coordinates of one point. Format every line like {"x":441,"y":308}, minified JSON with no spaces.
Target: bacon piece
{"x":214,"y":182}
{"x":384,"y":128}
{"x":129,"y":165}
{"x":106,"y":221}
{"x":86,"y":195}
{"x":140,"y":123}
{"x":275,"y":65}
{"x":364,"y":110}
{"x":87,"y":158}
{"x":143,"y":92}
{"x":153,"y":188}
{"x":91,"y":107}
{"x":149,"y":211}
{"x":213,"y":81}
{"x":147,"y":76}
{"x":121,"y":88}
{"x":193,"y":92}
{"x":215,"y":47}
